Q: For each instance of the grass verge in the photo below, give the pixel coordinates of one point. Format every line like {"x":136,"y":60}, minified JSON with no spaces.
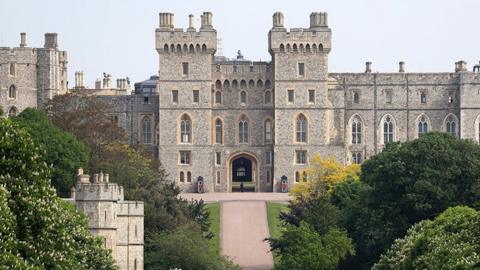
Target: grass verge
{"x":214,"y":210}
{"x":274,"y":224}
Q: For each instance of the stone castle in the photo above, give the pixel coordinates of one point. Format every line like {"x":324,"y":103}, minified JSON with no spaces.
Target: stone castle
{"x":245,"y":124}
{"x":118,"y":222}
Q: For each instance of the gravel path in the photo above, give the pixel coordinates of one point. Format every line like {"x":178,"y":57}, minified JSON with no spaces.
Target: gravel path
{"x":244,"y":225}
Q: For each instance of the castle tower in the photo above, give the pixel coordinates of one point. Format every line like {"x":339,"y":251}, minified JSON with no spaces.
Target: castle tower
{"x":304,"y":111}
{"x":185,"y":60}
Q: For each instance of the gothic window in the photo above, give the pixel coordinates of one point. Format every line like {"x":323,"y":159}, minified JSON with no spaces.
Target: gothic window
{"x":165,"y":48}
{"x":301,"y":129}
{"x":357,"y":157}
{"x":268,"y":131}
{"x":218,"y":85}
{"x":243,"y":130}
{"x":388,"y":135}
{"x":234,"y":82}
{"x":268,"y":97}
{"x":422,"y":125}
{"x":243,"y":97}
{"x":282,"y":48}
{"x":356,"y":130}
{"x":185,"y":157}
{"x":243,"y":83}
{"x":185,"y":129}
{"x":189,"y":177}
{"x":451,"y":125}
{"x":218,"y":131}
{"x":12,"y":111}
{"x":12,"y":91}
{"x":182,"y":177}
{"x":147,"y":130}
{"x":251,"y":84}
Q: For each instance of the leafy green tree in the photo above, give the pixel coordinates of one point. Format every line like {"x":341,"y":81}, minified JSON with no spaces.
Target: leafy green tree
{"x":42,"y":232}
{"x":63,"y":150}
{"x":409,"y":182}
{"x":184,"y":248}
{"x":450,"y":241}
{"x":303,"y":247}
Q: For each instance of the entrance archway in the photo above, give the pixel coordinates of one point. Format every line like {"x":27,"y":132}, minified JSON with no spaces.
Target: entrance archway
{"x":243,"y":173}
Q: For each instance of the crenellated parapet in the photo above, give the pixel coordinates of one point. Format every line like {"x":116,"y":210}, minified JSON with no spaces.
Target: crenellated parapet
{"x":186,"y":41}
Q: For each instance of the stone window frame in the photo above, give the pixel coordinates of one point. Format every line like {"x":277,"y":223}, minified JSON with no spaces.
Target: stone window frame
{"x":12,"y":92}
{"x":301,"y":157}
{"x":270,"y":131}
{"x":218,"y":98}
{"x":243,"y":129}
{"x":12,"y":111}
{"x":312,"y":97}
{"x":147,"y":135}
{"x":270,"y":96}
{"x":216,"y":132}
{"x":268,"y":158}
{"x":12,"y":69}
{"x":301,"y":70}
{"x":388,"y":96}
{"x":181,"y":177}
{"x":357,"y":157}
{"x":185,"y":157}
{"x":388,"y":121}
{"x":451,"y":121}
{"x":299,"y":129}
{"x":356,"y":127}
{"x":356,"y":96}
{"x":185,"y":127}
{"x":217,"y":178}
{"x":423,"y":96}
{"x":290,"y":96}
{"x":243,"y":97}
{"x":196,"y":96}
{"x":422,"y":124}
{"x":174,"y":96}
{"x":218,"y":158}
{"x":185,"y":69}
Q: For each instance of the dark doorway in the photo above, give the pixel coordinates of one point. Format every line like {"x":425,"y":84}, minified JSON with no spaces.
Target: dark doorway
{"x":242,"y":175}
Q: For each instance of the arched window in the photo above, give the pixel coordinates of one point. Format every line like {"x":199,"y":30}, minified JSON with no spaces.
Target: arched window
{"x":12,"y":111}
{"x":185,"y":129}
{"x":268,"y":97}
{"x":182,"y":177}
{"x":282,"y":48}
{"x":423,"y":97}
{"x":165,"y":48}
{"x":356,"y":130}
{"x":189,"y":177}
{"x":218,"y":97}
{"x":422,"y":125}
{"x":204,"y":48}
{"x":243,"y":97}
{"x":218,"y":85}
{"x":251,"y":84}
{"x":451,"y":125}
{"x":218,"y":131}
{"x":259,"y":84}
{"x":243,"y":130}
{"x":12,"y":91}
{"x":12,"y":69}
{"x":301,"y":128}
{"x":191,"y":48}
{"x":147,"y":130}
{"x":388,"y":126}
{"x":268,"y":131}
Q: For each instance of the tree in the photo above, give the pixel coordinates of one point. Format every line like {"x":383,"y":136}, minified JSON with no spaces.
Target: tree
{"x":303,"y":247}
{"x":410,"y":182}
{"x":184,"y":248}
{"x":63,"y":150}
{"x":450,"y":241}
{"x":42,"y":231}
{"x":321,"y":175}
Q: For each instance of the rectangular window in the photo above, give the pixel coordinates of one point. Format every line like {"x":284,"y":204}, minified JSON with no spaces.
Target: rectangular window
{"x":268,"y":158}
{"x":357,"y":158}
{"x":185,"y":69}
{"x":291,"y":96}
{"x":145,"y":100}
{"x":218,"y":158}
{"x":388,"y":97}
{"x":251,"y":68}
{"x":185,"y":157}
{"x":311,"y":96}
{"x":301,"y":157}
{"x":301,"y":69}
{"x":423,"y":98}
{"x":196,"y":96}
{"x":12,"y":69}
{"x":175,"y":96}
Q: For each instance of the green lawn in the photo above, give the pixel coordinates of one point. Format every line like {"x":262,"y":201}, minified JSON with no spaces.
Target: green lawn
{"x":274,"y":223}
{"x":214,"y":209}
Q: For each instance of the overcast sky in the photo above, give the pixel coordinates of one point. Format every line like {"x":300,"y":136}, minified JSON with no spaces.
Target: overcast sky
{"x":117,"y":36}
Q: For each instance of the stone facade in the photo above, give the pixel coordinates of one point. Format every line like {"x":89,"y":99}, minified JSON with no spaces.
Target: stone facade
{"x":29,"y":77}
{"x":195,"y":114}
{"x":119,"y":222}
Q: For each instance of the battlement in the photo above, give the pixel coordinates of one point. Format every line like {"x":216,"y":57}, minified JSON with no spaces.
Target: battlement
{"x":169,"y":39}
{"x":315,"y":39}
{"x":130,"y":208}
{"x":98,"y":190}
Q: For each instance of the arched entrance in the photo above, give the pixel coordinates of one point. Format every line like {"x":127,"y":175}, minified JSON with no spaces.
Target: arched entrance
{"x":243,"y":173}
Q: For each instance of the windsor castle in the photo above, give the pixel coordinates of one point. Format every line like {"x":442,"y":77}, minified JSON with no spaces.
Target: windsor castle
{"x":237,"y":123}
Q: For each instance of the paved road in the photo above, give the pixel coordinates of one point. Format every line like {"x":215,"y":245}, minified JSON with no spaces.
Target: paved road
{"x":243,"y":227}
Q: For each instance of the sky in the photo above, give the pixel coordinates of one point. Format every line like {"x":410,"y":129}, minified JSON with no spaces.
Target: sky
{"x":117,"y":36}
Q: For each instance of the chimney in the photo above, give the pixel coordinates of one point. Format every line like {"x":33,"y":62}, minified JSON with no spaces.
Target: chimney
{"x":206,"y":19}
{"x":50,"y":41}
{"x":277,"y":20}
{"x":98,"y":84}
{"x":106,"y":177}
{"x":401,"y":67}
{"x":83,"y":178}
{"x":191,"y":20}
{"x":166,"y":20}
{"x":107,"y":81}
{"x":462,"y":66}
{"x":23,"y":40}
{"x":79,"y":83}
{"x":368,"y":67}
{"x":318,"y":19}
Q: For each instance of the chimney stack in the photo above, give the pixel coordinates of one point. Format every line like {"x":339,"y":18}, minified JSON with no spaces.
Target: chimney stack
{"x":79,"y":82}
{"x":277,"y":20}
{"x":368,"y":67}
{"x":23,"y":40}
{"x":401,"y":67}
{"x":50,"y":41}
{"x":461,"y":66}
{"x":98,"y":84}
{"x":318,"y":19}
{"x":206,"y":19}
{"x":191,"y":21}
{"x":166,"y":20}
